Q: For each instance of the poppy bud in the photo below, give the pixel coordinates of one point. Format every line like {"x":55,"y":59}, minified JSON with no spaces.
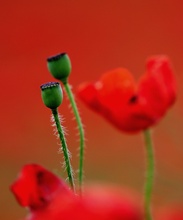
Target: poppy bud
{"x":52,"y":95}
{"x":59,"y":66}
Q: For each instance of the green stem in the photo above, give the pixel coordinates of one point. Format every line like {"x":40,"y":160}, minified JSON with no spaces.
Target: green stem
{"x":64,"y":149}
{"x":81,"y":133}
{"x":149,"y":174}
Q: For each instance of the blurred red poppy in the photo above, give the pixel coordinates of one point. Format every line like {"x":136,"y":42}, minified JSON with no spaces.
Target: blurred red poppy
{"x":49,"y":198}
{"x":36,"y":187}
{"x":128,"y":105}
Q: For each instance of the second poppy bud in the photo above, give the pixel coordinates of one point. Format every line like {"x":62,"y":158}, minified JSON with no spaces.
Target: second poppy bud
{"x":59,"y":66}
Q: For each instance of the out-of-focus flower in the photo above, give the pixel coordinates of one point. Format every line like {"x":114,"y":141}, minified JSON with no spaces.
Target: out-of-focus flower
{"x":49,"y":198}
{"x":36,"y":187}
{"x":128,"y":105}
{"x":112,"y":203}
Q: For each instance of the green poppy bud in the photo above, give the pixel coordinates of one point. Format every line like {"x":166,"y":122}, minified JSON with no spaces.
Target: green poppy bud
{"x":59,"y":66}
{"x":52,"y":94}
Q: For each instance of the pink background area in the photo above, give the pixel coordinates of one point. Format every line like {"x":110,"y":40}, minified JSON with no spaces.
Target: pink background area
{"x":98,"y":36}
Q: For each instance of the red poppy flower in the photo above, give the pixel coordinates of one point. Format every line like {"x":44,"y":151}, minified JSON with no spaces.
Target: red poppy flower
{"x":49,"y":198}
{"x":36,"y":187}
{"x":128,"y":105}
{"x":112,"y":203}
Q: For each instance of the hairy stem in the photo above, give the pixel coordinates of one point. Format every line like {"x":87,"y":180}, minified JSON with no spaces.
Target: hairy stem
{"x":149,"y":174}
{"x":64,"y":148}
{"x":81,"y":133}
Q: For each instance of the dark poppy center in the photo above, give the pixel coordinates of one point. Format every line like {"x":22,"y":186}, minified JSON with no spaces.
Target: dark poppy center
{"x":49,"y":85}
{"x":55,"y":57}
{"x":133,"y":99}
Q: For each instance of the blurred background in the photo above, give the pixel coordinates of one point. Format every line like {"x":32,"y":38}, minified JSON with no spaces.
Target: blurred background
{"x":98,"y":36}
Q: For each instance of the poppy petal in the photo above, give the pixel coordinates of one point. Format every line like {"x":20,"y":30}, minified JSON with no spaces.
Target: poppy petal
{"x":36,"y":186}
{"x":157,"y":88}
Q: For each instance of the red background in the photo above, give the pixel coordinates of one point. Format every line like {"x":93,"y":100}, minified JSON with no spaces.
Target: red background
{"x":98,"y":36}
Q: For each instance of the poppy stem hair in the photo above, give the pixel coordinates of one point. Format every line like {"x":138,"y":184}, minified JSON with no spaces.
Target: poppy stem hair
{"x":52,"y":97}
{"x":81,"y":133}
{"x":149,"y":174}
{"x":60,"y":67}
{"x":64,"y":148}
